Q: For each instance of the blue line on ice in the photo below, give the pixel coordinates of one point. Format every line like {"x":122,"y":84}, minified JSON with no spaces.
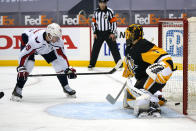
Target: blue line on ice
{"x":100,"y":111}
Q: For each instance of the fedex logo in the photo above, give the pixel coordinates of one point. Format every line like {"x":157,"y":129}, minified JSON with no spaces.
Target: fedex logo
{"x":41,"y":20}
{"x":4,"y":20}
{"x":174,"y":42}
{"x":173,"y":16}
{"x":149,"y":19}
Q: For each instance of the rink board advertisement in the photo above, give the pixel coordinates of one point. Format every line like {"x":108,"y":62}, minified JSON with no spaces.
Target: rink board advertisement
{"x":77,"y":45}
{"x":150,"y":33}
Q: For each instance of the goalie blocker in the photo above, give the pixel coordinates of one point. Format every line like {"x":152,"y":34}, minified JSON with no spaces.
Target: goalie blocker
{"x":150,"y":65}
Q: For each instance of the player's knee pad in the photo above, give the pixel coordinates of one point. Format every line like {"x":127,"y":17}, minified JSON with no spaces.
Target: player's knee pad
{"x":59,"y":65}
{"x":29,"y":65}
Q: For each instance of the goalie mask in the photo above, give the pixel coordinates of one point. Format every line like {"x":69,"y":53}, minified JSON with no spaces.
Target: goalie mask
{"x":133,"y":32}
{"x":54,"y":31}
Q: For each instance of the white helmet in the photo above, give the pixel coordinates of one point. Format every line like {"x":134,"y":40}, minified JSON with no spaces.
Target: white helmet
{"x":54,"y":30}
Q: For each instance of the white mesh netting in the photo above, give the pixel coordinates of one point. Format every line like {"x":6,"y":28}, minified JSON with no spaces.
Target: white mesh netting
{"x":172,"y":42}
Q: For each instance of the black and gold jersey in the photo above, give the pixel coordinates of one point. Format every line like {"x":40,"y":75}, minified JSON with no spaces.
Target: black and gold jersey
{"x":143,"y":54}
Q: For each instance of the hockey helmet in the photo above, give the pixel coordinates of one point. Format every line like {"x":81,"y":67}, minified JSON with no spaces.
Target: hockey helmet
{"x":103,"y":1}
{"x":133,"y":32}
{"x":54,"y":30}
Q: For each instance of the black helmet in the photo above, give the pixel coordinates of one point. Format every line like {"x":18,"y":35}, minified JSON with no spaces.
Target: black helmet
{"x":133,"y":32}
{"x":103,"y":1}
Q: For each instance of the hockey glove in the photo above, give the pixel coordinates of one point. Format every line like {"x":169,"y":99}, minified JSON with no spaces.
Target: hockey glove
{"x":22,"y":73}
{"x":153,"y":69}
{"x":71,"y":73}
{"x":156,"y":67}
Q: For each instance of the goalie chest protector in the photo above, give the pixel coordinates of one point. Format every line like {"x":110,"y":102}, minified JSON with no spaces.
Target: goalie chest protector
{"x":141,"y":55}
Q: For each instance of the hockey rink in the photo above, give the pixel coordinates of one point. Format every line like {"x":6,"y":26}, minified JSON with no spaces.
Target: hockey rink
{"x":46,"y":108}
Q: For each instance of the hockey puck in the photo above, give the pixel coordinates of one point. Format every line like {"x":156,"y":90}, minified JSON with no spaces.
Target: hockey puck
{"x":178,"y":103}
{"x":1,"y":94}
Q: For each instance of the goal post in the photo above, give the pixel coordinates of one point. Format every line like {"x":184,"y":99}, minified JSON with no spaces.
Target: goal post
{"x":177,"y":37}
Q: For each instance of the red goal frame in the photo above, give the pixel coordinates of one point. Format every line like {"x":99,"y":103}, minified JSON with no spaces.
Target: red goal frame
{"x":185,"y":56}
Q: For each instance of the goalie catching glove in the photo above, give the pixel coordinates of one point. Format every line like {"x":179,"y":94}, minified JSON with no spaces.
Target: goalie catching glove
{"x":153,"y":69}
{"x":22,"y":73}
{"x":71,"y":73}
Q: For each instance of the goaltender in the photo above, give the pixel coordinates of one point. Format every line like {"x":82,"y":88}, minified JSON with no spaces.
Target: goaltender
{"x":151,"y":66}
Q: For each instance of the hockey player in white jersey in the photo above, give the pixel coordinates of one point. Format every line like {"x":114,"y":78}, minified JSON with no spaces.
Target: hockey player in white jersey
{"x":47,"y":43}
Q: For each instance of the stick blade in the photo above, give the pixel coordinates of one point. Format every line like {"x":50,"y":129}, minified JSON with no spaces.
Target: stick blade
{"x":110,"y":99}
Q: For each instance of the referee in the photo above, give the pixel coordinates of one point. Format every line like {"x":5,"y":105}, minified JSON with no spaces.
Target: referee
{"x":104,"y":26}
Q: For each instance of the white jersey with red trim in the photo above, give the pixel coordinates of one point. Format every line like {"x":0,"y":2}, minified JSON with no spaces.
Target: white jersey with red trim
{"x":38,"y":45}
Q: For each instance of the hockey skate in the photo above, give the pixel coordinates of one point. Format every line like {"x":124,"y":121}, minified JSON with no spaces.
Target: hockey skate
{"x":162,"y":100}
{"x":90,"y":67}
{"x":17,"y":94}
{"x":153,"y":112}
{"x":69,"y":92}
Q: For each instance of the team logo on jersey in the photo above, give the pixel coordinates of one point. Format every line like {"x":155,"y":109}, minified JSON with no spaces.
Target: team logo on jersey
{"x":131,"y":65}
{"x":174,"y":42}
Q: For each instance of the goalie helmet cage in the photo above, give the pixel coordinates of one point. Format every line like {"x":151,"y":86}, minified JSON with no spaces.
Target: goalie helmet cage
{"x":176,"y":36}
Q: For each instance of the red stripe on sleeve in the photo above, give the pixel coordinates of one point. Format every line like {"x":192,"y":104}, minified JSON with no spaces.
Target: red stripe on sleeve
{"x":25,"y":57}
{"x":60,"y":52}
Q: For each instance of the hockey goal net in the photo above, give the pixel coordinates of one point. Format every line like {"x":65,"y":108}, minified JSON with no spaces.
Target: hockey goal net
{"x":178,"y":38}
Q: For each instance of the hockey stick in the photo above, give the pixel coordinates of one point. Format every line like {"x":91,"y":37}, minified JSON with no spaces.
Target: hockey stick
{"x":119,"y":63}
{"x":113,"y":100}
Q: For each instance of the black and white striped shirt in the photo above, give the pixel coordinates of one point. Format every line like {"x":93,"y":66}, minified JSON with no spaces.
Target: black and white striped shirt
{"x":104,"y":20}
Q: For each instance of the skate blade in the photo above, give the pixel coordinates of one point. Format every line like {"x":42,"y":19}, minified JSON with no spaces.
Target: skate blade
{"x":15,"y":99}
{"x":71,"y":96}
{"x":90,"y":69}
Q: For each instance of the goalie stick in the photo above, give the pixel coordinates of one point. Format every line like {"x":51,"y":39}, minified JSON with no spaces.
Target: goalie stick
{"x":113,"y":100}
{"x":119,"y":63}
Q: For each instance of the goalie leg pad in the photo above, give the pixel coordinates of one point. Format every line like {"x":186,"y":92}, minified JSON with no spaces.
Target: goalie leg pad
{"x":128,"y":98}
{"x":152,"y":86}
{"x":141,"y":99}
{"x":137,"y":98}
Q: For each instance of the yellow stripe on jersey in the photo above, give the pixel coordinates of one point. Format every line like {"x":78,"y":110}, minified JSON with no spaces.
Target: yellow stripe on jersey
{"x":153,"y":54}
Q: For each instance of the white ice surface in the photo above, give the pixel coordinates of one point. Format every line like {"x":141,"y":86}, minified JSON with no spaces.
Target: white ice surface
{"x":41,"y":94}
